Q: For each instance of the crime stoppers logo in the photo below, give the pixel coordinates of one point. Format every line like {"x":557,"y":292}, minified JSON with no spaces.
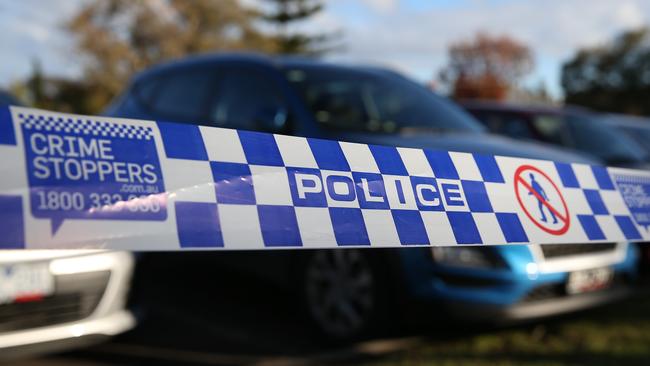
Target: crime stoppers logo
{"x":541,"y":200}
{"x":85,"y":169}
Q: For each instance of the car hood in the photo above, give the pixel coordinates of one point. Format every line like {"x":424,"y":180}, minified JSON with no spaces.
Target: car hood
{"x":481,"y":143}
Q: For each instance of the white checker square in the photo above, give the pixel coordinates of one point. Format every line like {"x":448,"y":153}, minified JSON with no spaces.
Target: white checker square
{"x":438,"y":228}
{"x":295,"y":151}
{"x":466,"y":166}
{"x":614,"y":202}
{"x":502,"y":197}
{"x":315,"y":225}
{"x":222,"y":145}
{"x":416,"y":162}
{"x":381,"y":228}
{"x":576,"y":202}
{"x":610,"y":228}
{"x":271,"y":185}
{"x":585,"y":176}
{"x":359,"y":157}
{"x":339,"y":187}
{"x":489,"y":228}
{"x":399,"y":192}
{"x":190,"y":180}
{"x":13,"y":161}
{"x":240,"y":226}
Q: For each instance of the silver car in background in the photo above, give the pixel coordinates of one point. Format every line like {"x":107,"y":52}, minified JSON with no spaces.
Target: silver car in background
{"x":54,"y":300}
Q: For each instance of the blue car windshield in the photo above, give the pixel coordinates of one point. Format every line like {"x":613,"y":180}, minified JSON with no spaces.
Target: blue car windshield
{"x":379,"y":102}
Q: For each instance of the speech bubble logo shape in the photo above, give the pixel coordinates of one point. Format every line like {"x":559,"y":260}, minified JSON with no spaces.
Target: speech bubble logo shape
{"x":91,"y":170}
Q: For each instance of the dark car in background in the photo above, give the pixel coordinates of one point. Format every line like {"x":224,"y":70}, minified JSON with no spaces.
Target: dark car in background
{"x":347,"y":293}
{"x":568,"y":127}
{"x":636,"y":128}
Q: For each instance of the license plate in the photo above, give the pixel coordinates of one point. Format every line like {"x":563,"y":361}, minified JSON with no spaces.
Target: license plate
{"x":25,"y":282}
{"x":589,"y":280}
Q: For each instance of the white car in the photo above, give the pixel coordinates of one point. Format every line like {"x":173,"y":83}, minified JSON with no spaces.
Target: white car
{"x":54,"y":300}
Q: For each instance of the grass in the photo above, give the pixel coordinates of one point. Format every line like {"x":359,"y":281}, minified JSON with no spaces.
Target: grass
{"x":618,"y":334}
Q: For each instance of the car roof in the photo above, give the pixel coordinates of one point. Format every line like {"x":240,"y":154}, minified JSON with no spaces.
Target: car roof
{"x":280,"y":61}
{"x":522,"y":108}
{"x":625,"y":120}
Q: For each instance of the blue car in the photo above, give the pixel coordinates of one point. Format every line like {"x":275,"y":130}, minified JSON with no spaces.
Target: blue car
{"x":350,"y":293}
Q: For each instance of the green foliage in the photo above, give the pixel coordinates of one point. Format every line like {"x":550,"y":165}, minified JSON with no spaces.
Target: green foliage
{"x":614,"y":77}
{"x":283,"y":15}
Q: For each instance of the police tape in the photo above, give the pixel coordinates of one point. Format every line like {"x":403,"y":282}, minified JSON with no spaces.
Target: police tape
{"x":71,"y":181}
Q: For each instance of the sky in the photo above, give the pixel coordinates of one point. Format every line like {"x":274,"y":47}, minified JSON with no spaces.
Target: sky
{"x":411,"y":36}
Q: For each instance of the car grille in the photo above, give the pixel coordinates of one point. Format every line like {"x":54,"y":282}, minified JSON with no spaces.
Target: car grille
{"x":564,"y":250}
{"x":76,"y":296}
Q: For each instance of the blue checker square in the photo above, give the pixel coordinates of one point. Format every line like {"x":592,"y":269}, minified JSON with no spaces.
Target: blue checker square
{"x":328,"y":155}
{"x":260,"y":148}
{"x":306,"y":186}
{"x":388,"y":160}
{"x":602,"y":178}
{"x":7,"y":134}
{"x":349,"y":226}
{"x":596,"y":202}
{"x":371,"y":192}
{"x":410,"y":227}
{"x":512,"y":228}
{"x":591,"y":227}
{"x":279,"y":226}
{"x":476,"y":196}
{"x":233,"y":183}
{"x":12,"y":225}
{"x":567,"y":175}
{"x":198,"y":225}
{"x":464,"y":228}
{"x":627,"y":227}
{"x":441,"y":164}
{"x":489,"y":168}
{"x":182,"y":141}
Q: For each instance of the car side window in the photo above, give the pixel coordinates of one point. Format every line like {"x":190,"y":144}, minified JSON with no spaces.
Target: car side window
{"x":551,"y":129}
{"x":507,"y":124}
{"x":181,"y":95}
{"x":247,"y":98}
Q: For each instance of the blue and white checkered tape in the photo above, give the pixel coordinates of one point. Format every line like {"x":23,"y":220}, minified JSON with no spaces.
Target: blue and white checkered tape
{"x":73,"y":181}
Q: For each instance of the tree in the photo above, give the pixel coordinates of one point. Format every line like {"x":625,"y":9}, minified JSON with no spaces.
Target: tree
{"x":614,"y":77}
{"x":117,"y":38}
{"x":289,"y":12}
{"x":486,"y":67}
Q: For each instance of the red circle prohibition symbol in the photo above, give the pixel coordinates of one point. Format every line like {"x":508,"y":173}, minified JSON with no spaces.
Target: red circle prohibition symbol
{"x":563,"y":217}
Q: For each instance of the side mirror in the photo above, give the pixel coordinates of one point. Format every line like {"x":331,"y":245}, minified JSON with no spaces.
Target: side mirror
{"x":271,"y":119}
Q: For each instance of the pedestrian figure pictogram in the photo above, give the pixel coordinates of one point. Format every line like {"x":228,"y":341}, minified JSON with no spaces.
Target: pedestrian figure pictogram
{"x":541,"y":198}
{"x":546,"y":200}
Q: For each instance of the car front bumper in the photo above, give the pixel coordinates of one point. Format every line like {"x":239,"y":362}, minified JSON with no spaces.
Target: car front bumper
{"x":65,"y":336}
{"x":523,"y":311}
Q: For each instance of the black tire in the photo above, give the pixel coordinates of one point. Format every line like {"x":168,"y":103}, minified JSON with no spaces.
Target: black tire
{"x":344,"y":293}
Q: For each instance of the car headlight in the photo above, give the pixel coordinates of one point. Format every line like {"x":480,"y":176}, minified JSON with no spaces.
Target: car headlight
{"x":476,"y":257}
